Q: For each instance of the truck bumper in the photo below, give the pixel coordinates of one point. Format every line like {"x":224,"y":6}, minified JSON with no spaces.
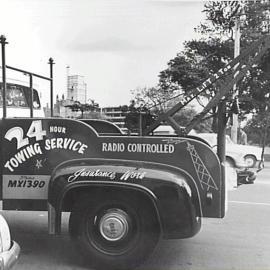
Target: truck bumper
{"x":247,"y":176}
{"x":10,"y":257}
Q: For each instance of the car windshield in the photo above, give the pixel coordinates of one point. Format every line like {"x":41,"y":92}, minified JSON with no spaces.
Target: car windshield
{"x":212,"y":139}
{"x":19,"y":96}
{"x":229,"y":140}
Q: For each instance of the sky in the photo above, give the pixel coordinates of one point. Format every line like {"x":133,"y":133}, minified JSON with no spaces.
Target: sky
{"x":117,"y":45}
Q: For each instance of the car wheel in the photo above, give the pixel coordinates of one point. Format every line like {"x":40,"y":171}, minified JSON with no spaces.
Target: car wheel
{"x":250,"y":161}
{"x":115,"y":232}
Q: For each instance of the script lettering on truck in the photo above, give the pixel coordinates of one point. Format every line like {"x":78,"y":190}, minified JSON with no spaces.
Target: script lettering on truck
{"x":111,"y":175}
{"x":26,"y":150}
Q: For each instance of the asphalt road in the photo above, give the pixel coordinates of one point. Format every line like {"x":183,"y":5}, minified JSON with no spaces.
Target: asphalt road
{"x":240,"y":241}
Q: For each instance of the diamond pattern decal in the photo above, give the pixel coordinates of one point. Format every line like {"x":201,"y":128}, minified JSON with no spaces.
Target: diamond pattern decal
{"x":203,"y":174}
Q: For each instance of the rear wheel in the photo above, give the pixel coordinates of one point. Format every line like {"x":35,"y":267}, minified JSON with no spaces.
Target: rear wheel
{"x":114,"y":233}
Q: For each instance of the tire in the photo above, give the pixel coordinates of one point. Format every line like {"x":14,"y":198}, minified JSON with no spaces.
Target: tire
{"x":250,"y":161}
{"x":115,"y":232}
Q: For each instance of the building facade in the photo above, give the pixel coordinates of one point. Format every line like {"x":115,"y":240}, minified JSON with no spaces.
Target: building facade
{"x":76,"y":88}
{"x":77,"y":92}
{"x":115,"y":115}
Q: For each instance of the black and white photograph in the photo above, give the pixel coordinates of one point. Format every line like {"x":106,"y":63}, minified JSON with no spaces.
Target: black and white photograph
{"x":134,"y":135}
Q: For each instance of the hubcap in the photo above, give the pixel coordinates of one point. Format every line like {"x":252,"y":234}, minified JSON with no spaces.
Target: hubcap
{"x":249,"y":162}
{"x":114,"y":225}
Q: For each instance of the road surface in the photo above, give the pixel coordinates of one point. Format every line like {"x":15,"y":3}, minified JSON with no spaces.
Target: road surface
{"x":240,"y":241}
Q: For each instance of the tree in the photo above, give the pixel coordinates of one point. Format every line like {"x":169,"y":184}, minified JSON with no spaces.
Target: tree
{"x":255,"y":19}
{"x":83,"y":108}
{"x":201,"y":58}
{"x":184,"y":116}
{"x":221,"y":17}
{"x":192,"y":66}
{"x":154,"y":98}
{"x":258,"y":129}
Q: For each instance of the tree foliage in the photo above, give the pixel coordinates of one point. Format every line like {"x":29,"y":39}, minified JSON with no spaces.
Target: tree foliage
{"x":184,"y":116}
{"x":154,"y":98}
{"x":137,"y":118}
{"x":195,"y":63}
{"x":258,"y":129}
{"x":201,"y":58}
{"x":87,"y":109}
{"x":221,"y":17}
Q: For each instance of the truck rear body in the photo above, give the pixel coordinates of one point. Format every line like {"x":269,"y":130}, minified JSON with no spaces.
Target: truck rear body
{"x":35,"y":150}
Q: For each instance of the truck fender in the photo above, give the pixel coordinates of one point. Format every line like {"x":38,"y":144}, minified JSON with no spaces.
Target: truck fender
{"x":172,"y":193}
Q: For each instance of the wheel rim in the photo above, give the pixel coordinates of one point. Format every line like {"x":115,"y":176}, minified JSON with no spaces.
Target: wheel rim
{"x":113,"y":231}
{"x":114,"y":225}
{"x":249,"y":161}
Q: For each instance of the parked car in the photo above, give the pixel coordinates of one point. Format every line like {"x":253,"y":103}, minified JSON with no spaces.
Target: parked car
{"x":9,"y":250}
{"x":237,"y":155}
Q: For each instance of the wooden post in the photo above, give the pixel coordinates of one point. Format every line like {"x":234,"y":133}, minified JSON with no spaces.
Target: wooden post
{"x":4,"y":85}
{"x":51,"y":63}
{"x":235,"y":122}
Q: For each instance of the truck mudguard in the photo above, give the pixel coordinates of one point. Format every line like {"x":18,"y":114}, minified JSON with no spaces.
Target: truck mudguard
{"x":171,"y":190}
{"x":43,"y":159}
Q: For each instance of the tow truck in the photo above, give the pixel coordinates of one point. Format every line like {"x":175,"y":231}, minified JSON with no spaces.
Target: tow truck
{"x":123,"y":192}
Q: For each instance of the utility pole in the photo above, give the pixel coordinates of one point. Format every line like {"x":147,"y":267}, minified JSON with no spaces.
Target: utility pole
{"x":235,"y":122}
{"x":51,"y":63}
{"x":67,"y":74}
{"x":3,"y":50}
